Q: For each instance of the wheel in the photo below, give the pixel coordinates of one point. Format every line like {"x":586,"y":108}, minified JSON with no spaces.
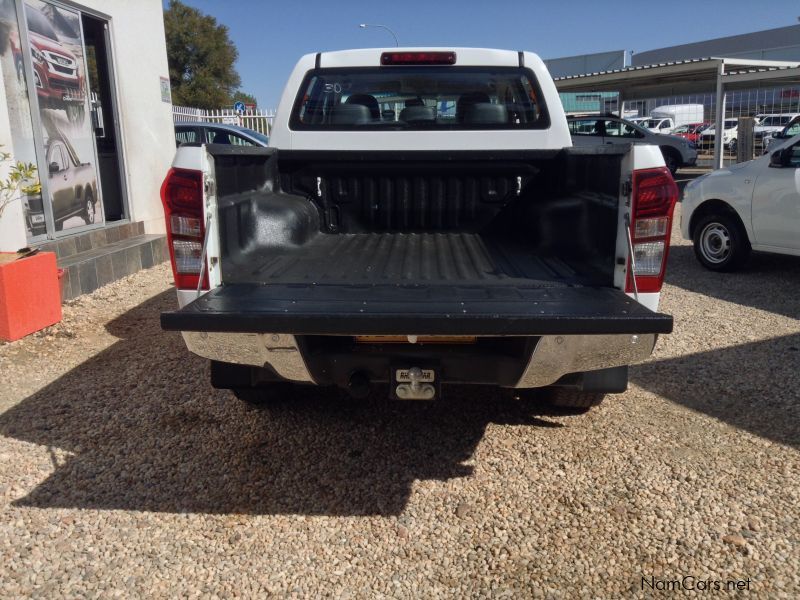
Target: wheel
{"x":268,"y":394}
{"x":563,"y":397}
{"x":671,"y":160}
{"x":732,"y":146}
{"x":720,"y":242}
{"x":89,"y":209}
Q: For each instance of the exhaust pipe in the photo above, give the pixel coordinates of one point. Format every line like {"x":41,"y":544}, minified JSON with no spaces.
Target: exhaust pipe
{"x":359,"y":385}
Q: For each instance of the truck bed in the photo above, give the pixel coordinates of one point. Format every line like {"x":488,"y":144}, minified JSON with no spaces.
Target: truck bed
{"x":407,"y":258}
{"x":467,"y":243}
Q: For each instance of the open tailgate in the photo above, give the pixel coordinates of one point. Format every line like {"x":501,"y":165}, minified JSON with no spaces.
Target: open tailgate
{"x":320,"y":309}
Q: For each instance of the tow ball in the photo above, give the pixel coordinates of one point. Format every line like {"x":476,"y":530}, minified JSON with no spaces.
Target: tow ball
{"x":415,"y":384}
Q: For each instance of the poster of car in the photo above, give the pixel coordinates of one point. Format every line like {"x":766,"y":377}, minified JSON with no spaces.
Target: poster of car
{"x":20,"y":141}
{"x":59,"y":74}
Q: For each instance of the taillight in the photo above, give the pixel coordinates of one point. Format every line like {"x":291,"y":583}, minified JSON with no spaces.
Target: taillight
{"x":654,"y":194}
{"x":182,"y":196}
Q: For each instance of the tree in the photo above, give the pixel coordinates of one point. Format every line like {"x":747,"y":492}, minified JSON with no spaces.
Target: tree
{"x":241,"y":96}
{"x":201,"y":58}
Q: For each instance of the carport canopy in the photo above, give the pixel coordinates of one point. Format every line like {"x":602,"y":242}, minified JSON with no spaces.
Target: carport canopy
{"x":695,"y":76}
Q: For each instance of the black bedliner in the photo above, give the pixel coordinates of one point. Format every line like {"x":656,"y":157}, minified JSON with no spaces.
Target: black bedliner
{"x":396,"y":309}
{"x":427,"y":258}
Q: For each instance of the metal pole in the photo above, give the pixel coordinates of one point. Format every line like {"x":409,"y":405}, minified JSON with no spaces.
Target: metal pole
{"x":365,"y":25}
{"x":719,"y":130}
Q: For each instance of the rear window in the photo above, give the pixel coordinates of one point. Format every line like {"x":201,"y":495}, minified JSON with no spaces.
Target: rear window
{"x":419,"y":98}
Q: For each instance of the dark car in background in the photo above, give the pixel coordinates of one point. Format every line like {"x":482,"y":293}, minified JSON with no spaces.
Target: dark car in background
{"x":203,"y":132}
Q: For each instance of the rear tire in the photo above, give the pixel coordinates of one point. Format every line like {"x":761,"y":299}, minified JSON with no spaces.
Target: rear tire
{"x":671,"y":159}
{"x":720,"y":243}
{"x":89,"y":209}
{"x":574,"y":399}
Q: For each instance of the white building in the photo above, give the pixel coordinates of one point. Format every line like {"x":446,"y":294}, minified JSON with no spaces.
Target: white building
{"x":85,"y":97}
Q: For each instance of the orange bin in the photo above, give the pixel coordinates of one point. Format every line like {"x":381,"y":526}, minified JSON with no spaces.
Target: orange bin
{"x":30,"y":295}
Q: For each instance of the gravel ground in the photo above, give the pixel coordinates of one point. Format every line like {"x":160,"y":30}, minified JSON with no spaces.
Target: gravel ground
{"x":122,"y":473}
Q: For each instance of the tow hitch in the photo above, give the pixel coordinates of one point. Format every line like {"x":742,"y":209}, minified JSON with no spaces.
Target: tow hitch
{"x":415,"y":384}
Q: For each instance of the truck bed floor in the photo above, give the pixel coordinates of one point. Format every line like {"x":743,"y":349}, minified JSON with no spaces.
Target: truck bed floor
{"x":429,"y":258}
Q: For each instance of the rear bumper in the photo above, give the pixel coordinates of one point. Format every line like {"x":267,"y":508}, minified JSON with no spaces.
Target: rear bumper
{"x":553,"y":356}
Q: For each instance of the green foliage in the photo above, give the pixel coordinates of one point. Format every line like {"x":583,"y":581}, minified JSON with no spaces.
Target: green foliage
{"x":201,"y":58}
{"x":244,"y":97}
{"x":21,"y":179}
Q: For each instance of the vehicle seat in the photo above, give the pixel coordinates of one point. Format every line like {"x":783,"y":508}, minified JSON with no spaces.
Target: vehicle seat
{"x":369,"y":101}
{"x":468,"y":99}
{"x":411,"y":114}
{"x":220,"y":137}
{"x":350,"y":114}
{"x":485,"y":113}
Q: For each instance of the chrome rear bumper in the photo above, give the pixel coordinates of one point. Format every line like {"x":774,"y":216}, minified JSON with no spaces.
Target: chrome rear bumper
{"x":553,"y":357}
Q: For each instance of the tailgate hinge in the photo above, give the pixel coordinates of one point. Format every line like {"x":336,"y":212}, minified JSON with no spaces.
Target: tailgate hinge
{"x":627,"y":186}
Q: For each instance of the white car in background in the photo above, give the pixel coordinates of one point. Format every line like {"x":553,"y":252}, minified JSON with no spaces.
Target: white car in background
{"x":658,"y":125}
{"x":773,"y":140}
{"x":729,"y":135}
{"x":772,"y":124}
{"x":753,"y":205}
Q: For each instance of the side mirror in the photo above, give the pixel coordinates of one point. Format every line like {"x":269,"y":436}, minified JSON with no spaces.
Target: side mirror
{"x":778,"y":158}
{"x":54,"y":168}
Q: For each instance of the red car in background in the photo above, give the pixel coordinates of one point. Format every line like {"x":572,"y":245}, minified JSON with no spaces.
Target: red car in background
{"x":56,"y":74}
{"x":690,"y":131}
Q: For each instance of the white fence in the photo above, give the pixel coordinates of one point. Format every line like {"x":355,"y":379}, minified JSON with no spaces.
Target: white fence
{"x":257,"y":119}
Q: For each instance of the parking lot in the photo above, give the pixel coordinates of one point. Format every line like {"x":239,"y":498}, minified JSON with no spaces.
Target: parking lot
{"x":124,"y":473}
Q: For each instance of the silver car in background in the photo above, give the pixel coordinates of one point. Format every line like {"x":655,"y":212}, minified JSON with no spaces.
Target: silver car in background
{"x":592,"y":130}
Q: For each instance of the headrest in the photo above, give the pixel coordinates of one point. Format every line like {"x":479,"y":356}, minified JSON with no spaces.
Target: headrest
{"x":350,"y":114}
{"x":417,"y":113}
{"x":485,"y":113}
{"x":366,"y":100}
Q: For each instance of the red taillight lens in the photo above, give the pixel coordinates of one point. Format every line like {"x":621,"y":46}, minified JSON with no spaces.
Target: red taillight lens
{"x":418,"y":58}
{"x":182,"y":196}
{"x":654,"y":196}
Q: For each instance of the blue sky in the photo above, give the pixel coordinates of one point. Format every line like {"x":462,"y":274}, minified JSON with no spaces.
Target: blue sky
{"x":272,"y":35}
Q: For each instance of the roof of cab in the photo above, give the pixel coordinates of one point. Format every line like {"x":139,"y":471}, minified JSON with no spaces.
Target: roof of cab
{"x":369,"y":57}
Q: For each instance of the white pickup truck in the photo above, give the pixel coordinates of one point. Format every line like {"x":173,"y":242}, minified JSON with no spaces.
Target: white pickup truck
{"x":420,"y":218}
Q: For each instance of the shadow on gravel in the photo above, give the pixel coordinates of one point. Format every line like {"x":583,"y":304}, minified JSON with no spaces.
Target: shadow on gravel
{"x":751,"y":386}
{"x":769,"y":282}
{"x":147,"y":432}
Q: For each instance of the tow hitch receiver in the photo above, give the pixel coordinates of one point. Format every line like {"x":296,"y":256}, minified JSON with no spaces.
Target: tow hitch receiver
{"x":414,"y":383}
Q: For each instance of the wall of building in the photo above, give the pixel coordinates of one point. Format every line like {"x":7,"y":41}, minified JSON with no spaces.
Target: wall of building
{"x":140,"y":58}
{"x":588,"y":63}
{"x":782,"y":43}
{"x":12,"y":224}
